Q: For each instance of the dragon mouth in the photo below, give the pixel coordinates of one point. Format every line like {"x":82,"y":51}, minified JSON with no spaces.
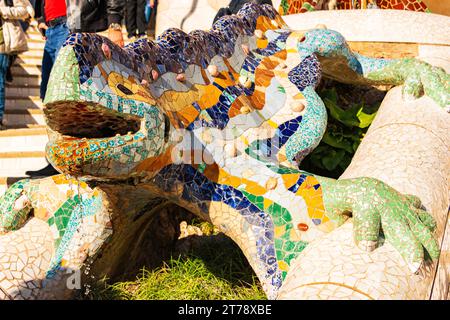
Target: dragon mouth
{"x":73,"y":120}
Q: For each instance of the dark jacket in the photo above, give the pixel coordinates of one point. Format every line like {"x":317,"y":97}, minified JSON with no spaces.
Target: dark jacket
{"x":88,"y":15}
{"x":235,"y":5}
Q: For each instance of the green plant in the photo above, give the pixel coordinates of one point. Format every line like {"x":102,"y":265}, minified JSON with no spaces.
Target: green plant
{"x":214,"y":269}
{"x":345,"y":130}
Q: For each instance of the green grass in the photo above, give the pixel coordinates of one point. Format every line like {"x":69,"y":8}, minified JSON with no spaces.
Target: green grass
{"x":214,"y":269}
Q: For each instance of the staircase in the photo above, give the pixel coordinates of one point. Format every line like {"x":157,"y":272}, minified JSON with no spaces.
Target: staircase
{"x":22,"y":143}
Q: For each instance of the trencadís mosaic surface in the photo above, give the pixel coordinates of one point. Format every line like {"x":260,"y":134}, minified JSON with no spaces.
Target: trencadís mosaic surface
{"x":301,"y":6}
{"x":218,"y":122}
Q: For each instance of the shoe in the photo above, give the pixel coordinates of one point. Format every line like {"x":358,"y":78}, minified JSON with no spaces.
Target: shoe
{"x":2,"y":124}
{"x":44,"y":172}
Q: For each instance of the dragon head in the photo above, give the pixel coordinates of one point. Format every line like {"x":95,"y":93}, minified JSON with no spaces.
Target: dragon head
{"x":111,"y":112}
{"x":101,"y":117}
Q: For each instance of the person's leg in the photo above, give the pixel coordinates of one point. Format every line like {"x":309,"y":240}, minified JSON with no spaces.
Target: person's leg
{"x":140,"y":17}
{"x":130,"y":17}
{"x":148,"y":13}
{"x":61,"y":34}
{"x":47,"y":62}
{"x":55,"y":39}
{"x":12,"y":59}
{"x":152,"y":22}
{"x":4,"y":62}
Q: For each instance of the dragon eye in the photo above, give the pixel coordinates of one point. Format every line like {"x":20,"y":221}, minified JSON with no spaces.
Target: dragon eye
{"x":124,"y":89}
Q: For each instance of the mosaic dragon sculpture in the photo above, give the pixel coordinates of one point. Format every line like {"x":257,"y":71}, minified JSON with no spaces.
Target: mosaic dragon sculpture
{"x":217,"y":122}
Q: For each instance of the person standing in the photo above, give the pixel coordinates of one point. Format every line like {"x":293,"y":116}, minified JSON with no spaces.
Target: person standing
{"x":12,"y":39}
{"x":52,"y":23}
{"x":135,"y":19}
{"x":149,"y":6}
{"x":97,"y":16}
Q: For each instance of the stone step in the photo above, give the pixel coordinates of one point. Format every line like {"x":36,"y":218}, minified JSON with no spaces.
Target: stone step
{"x":28,"y":59}
{"x":4,"y":184}
{"x":35,"y":44}
{"x":27,"y":140}
{"x":32,"y":53}
{"x":26,"y":80}
{"x":25,"y":69}
{"x":24,"y":117}
{"x":34,"y":63}
{"x":22,"y":91}
{"x":14,"y":102}
{"x":36,"y":40}
{"x":14,"y":164}
{"x":37,"y":52}
{"x":32,"y":44}
{"x":23,"y":132}
{"x":29,"y":126}
{"x":33,"y":33}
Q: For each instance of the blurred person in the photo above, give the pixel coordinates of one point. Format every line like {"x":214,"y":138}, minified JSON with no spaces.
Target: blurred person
{"x":135,"y":18}
{"x":97,"y":16}
{"x":148,"y":10}
{"x":52,"y":24}
{"x":12,"y":39}
{"x":235,"y":6}
{"x":25,"y":24}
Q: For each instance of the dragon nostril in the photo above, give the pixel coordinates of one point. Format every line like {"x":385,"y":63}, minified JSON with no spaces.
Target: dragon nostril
{"x":124,"y":89}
